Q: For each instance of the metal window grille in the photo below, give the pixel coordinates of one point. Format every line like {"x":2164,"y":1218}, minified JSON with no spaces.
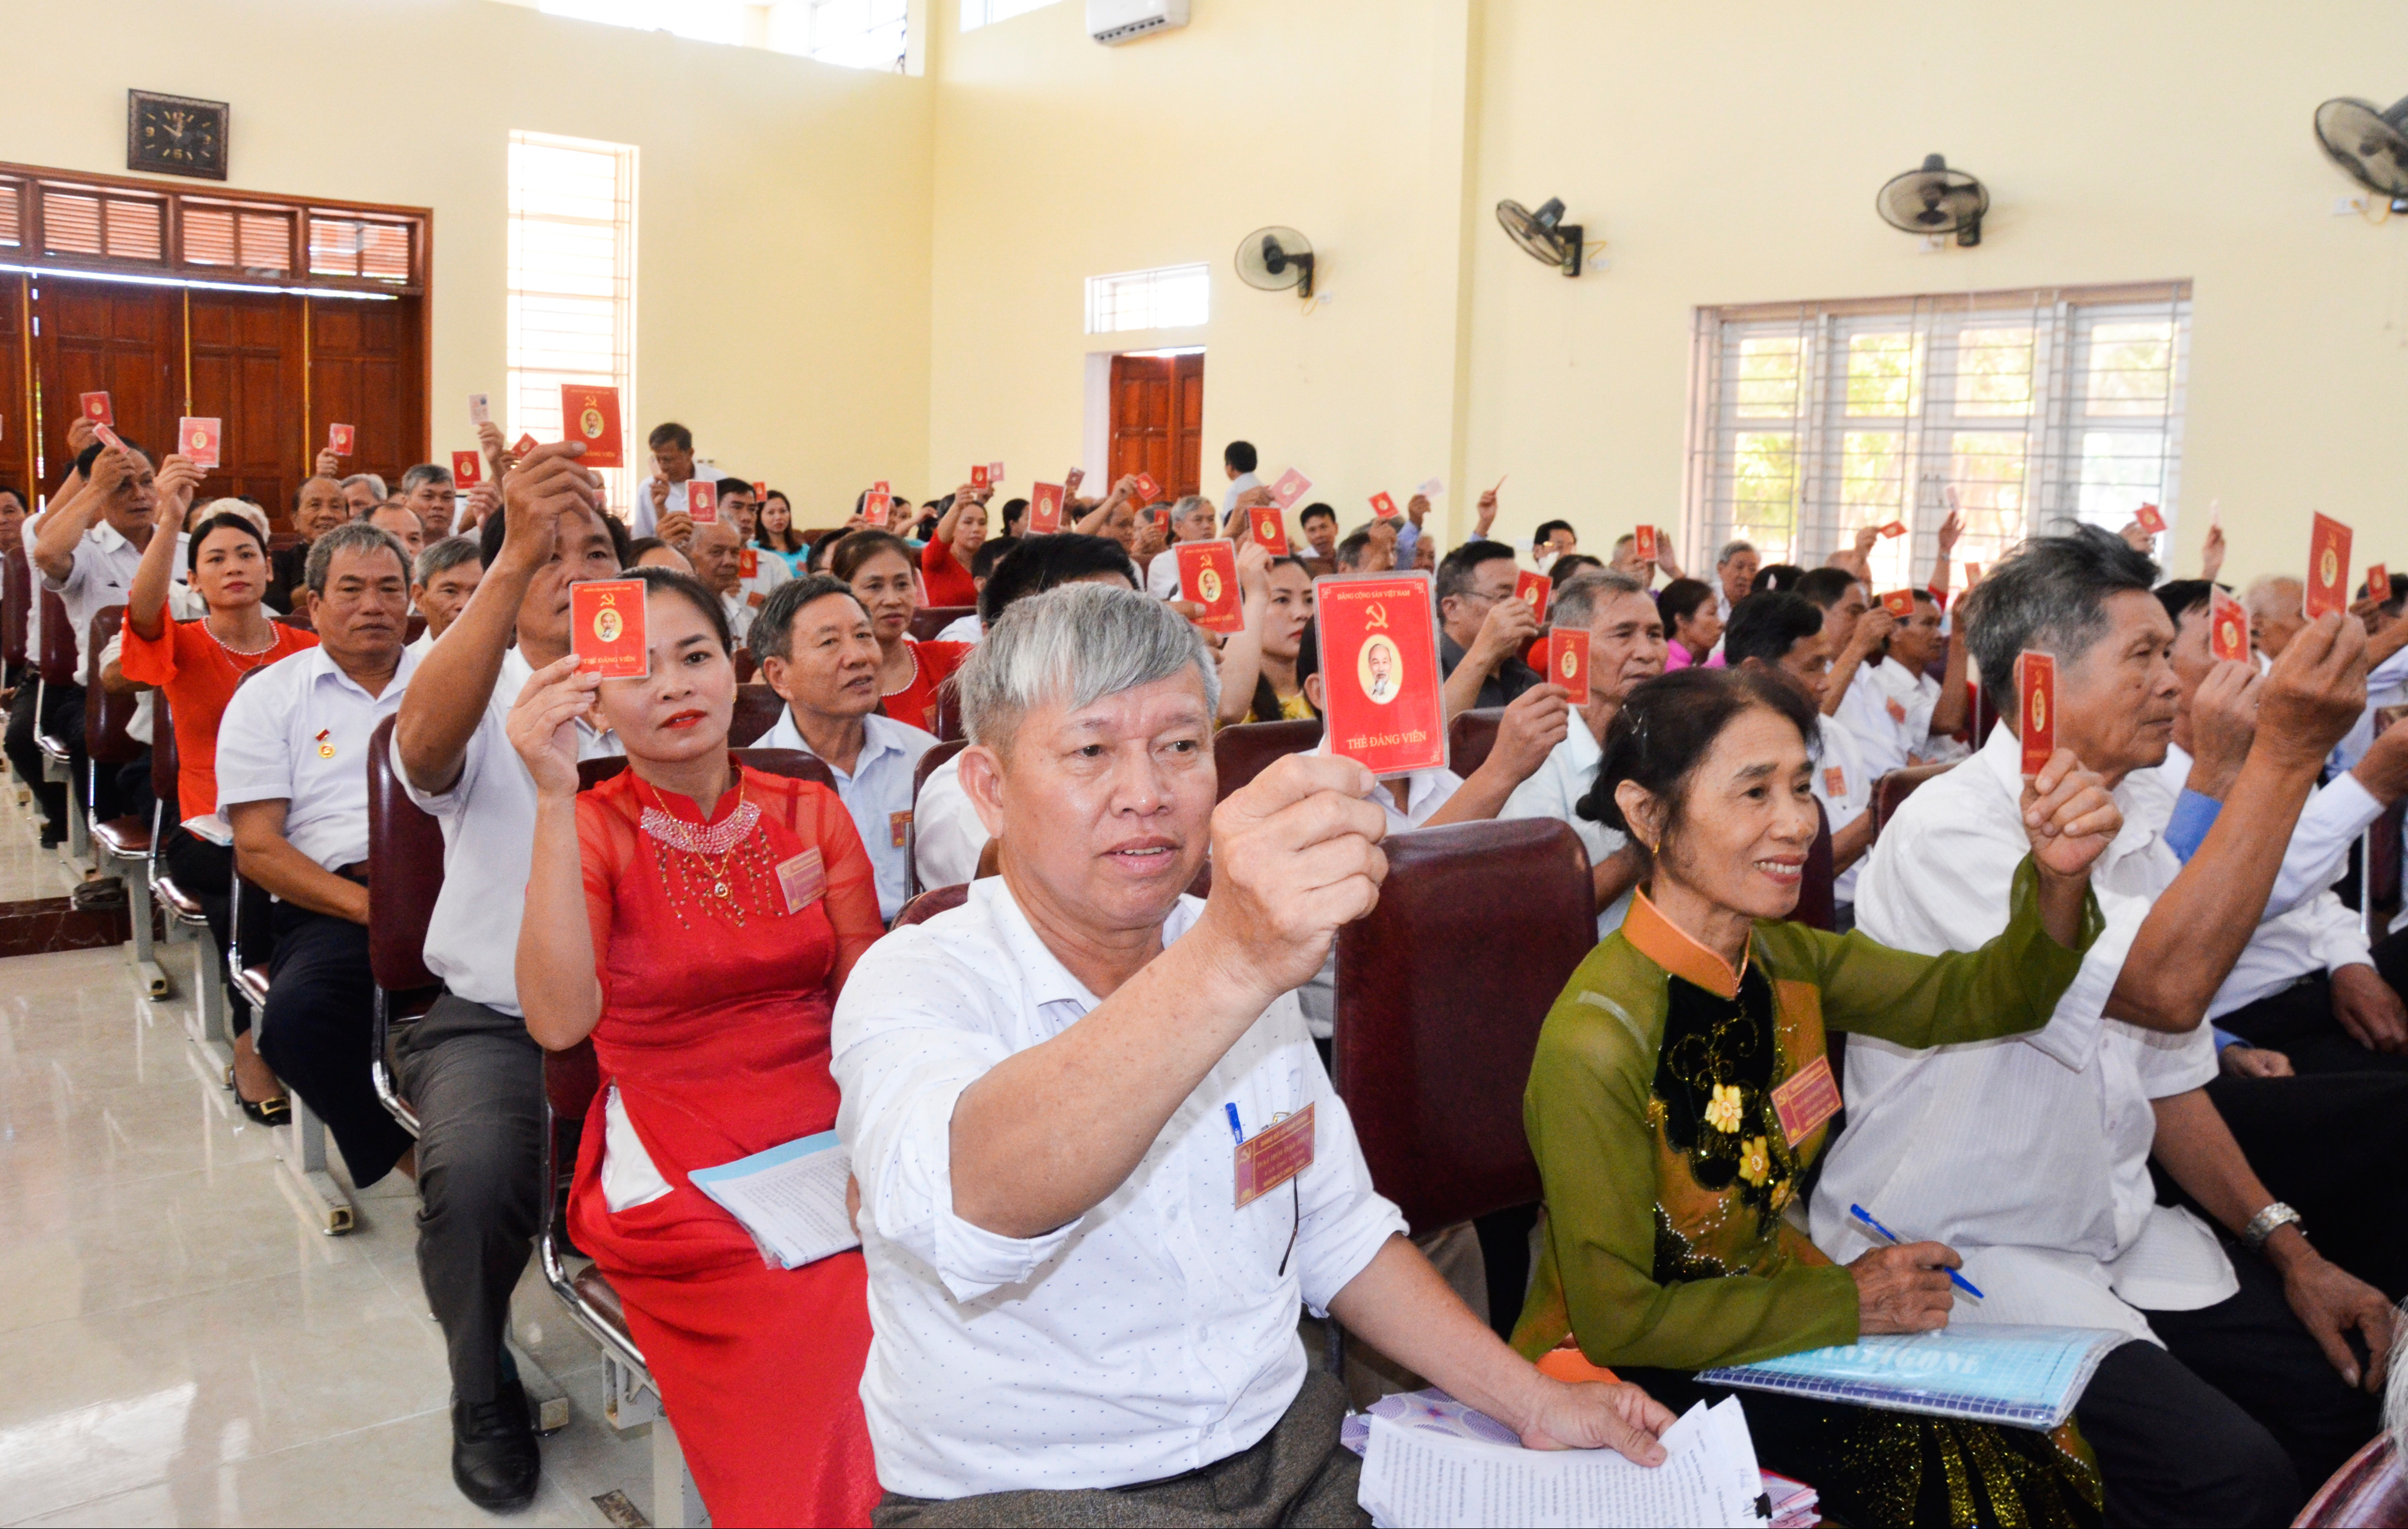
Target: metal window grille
{"x":572,"y":283}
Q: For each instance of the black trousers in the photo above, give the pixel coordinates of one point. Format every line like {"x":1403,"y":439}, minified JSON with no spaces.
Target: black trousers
{"x":26,"y":755}
{"x":316,"y":1033}
{"x":476,"y":1079}
{"x":2329,"y":1145}
{"x":204,"y":872}
{"x":2298,"y":1020}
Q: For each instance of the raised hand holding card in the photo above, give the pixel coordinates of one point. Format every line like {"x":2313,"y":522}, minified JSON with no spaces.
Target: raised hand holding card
{"x":1147,"y":489}
{"x":2328,"y":568}
{"x":2227,"y":629}
{"x":1532,"y":590}
{"x":2036,"y":703}
{"x":2152,"y":519}
{"x":197,"y":438}
{"x":1896,"y":528}
{"x":590,"y":415}
{"x":605,"y":629}
{"x":98,"y":408}
{"x":1383,"y":507}
{"x":1292,"y":487}
{"x":1208,"y":576}
{"x":1044,"y":509}
{"x":467,"y":469}
{"x":525,"y":443}
{"x":702,"y":502}
{"x":1643,"y":544}
{"x":1568,"y":660}
{"x":2378,"y":583}
{"x":1380,"y":672}
{"x":1899,"y":603}
{"x":340,"y":439}
{"x":1269,"y":528}
{"x":979,"y":478}
{"x":876,"y":507}
{"x":481,"y":408}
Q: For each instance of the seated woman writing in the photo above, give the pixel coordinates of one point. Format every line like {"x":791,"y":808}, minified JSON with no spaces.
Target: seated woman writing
{"x":1680,"y":1089}
{"x":698,"y":919}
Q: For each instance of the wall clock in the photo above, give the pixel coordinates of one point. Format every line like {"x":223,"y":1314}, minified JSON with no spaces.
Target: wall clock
{"x":175,"y":134}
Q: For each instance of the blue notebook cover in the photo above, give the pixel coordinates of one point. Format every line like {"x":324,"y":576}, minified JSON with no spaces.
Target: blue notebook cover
{"x":2023,"y":1376}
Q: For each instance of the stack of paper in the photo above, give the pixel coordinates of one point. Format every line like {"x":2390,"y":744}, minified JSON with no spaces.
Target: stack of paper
{"x":1792,"y":1502}
{"x":1422,"y":1476}
{"x":2026,"y":1376}
{"x":791,"y":1198}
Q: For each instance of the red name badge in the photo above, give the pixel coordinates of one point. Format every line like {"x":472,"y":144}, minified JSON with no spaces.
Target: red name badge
{"x":1292,"y":487}
{"x":1379,"y":664}
{"x":98,"y":408}
{"x":1643,"y":544}
{"x":198,"y":440}
{"x":481,"y":408}
{"x":1568,"y":660}
{"x":702,"y":502}
{"x":590,"y":416}
{"x":1269,"y":528}
{"x":802,"y":879}
{"x":1208,"y":575}
{"x":748,"y":563}
{"x":340,"y":439}
{"x":1896,"y":528}
{"x":467,"y":469}
{"x":875,"y":508}
{"x":2328,"y":568}
{"x":1807,"y":1100}
{"x":978,"y":475}
{"x":605,"y":629}
{"x":1835,"y":782}
{"x":1044,"y":509}
{"x":1382,"y":506}
{"x":1899,"y":603}
{"x":898,"y":827}
{"x":525,"y":444}
{"x":1272,"y":1157}
{"x":2227,"y":629}
{"x":2036,"y":702}
{"x":1147,"y":489}
{"x":2152,"y":519}
{"x":1532,"y":590}
{"x":2378,"y":583}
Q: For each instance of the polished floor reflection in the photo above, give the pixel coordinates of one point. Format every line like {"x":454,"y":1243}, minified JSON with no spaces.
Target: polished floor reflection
{"x":177,"y":1345}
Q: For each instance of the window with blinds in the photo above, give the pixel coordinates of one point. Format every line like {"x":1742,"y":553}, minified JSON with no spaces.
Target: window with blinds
{"x":2022,"y":409}
{"x":1166,"y":298}
{"x":572,"y":284}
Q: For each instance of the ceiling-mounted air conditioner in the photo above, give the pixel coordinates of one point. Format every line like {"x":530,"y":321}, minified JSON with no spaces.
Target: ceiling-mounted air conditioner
{"x":1112,"y":21}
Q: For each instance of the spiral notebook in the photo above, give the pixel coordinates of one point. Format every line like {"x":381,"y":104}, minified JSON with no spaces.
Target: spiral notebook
{"x":1993,"y":1372}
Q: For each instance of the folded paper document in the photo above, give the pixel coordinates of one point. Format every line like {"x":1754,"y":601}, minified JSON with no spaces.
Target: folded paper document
{"x":791,"y":1198}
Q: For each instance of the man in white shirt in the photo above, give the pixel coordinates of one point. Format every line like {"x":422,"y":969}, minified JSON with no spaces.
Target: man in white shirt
{"x":663,"y":494}
{"x":1239,"y":460}
{"x":717,"y":553}
{"x":427,"y":492}
{"x":947,"y":834}
{"x":468,"y":1068}
{"x":445,"y":576}
{"x":818,"y":651}
{"x":2277,"y":611}
{"x":1735,"y":568}
{"x":1050,"y":1092}
{"x":2032,"y":1157}
{"x":1784,"y":635}
{"x":292,"y":780}
{"x":1626,"y":649}
{"x":1191,"y":520}
{"x":1855,"y":632}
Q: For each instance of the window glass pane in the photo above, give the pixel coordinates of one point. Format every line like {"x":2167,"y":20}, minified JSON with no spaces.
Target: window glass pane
{"x":977,"y":13}
{"x":1880,"y":374}
{"x":2120,"y":469}
{"x":1764,"y":488}
{"x":1993,"y":371}
{"x":1767,"y":386}
{"x":2131,"y":368}
{"x":571,"y":300}
{"x":1170,"y":297}
{"x":1986,"y":470}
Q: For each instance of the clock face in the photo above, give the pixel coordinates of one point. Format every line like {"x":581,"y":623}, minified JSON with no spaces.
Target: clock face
{"x":176,"y":135}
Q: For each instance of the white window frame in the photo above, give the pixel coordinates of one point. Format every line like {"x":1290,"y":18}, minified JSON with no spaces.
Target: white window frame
{"x":978,"y":13}
{"x":531,"y":392}
{"x":1117,"y":301}
{"x":2013,"y":471}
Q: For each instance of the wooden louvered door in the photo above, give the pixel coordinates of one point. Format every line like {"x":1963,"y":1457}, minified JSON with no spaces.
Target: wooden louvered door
{"x":1157,"y":419}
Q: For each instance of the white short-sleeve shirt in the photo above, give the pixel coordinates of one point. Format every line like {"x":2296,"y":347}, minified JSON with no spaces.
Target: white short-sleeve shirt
{"x":1152,"y":1335}
{"x":946,"y":834}
{"x":298,"y":732}
{"x":1844,"y":786}
{"x":1553,"y":792}
{"x":878,"y":793}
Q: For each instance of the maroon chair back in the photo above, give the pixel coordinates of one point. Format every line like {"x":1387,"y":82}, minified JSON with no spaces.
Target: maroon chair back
{"x":948,"y":713}
{"x":1891,"y":791}
{"x":757,"y":709}
{"x":58,"y":656}
{"x":790,"y":762}
{"x":414,"y":629}
{"x":930,"y":763}
{"x":571,"y":1078}
{"x":747,"y":666}
{"x":1470,"y":736}
{"x":282,"y":540}
{"x":928,"y":620}
{"x":1243,"y":752}
{"x":107,"y":712}
{"x":406,"y":872}
{"x":1986,"y":715}
{"x":163,"y":748}
{"x":16,"y":605}
{"x":1817,"y":908}
{"x":2370,"y":1490}
{"x":1433,"y":1050}
{"x":299,"y":621}
{"x":928,"y":904}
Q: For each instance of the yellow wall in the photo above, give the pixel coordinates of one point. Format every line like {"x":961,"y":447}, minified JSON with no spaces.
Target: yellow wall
{"x":782,"y":205}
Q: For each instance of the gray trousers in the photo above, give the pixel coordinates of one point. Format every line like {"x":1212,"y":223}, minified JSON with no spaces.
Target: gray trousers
{"x":476,"y":1078}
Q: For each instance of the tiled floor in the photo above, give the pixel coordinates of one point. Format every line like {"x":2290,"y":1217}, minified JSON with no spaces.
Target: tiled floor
{"x":177,"y":1345}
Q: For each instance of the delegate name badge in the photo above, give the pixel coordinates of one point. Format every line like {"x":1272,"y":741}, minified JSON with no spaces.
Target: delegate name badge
{"x":898,"y":825}
{"x":1807,"y":1100}
{"x":802,"y":879}
{"x":1273,"y":1156}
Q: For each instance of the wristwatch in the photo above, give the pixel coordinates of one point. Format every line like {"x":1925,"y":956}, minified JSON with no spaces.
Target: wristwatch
{"x":2261,"y":1226}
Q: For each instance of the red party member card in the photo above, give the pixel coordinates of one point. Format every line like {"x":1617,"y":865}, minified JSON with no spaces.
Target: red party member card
{"x":525,"y":444}
{"x":1269,"y":528}
{"x":1379,"y":664}
{"x":467,"y":469}
{"x":199,"y":441}
{"x":760,"y":490}
{"x":1382,"y":506}
{"x":2152,"y":519}
{"x":747,"y":562}
{"x":108,"y":437}
{"x":2327,"y":567}
{"x":1162,"y":521}
{"x":98,"y":408}
{"x":980,"y":475}
{"x":1147,"y":489}
{"x":702,"y":502}
{"x":1896,"y":528}
{"x":995,"y":474}
{"x":2378,"y":582}
{"x":876,"y":505}
{"x":1532,"y":590}
{"x":590,"y":415}
{"x":605,"y":629}
{"x":1899,"y":603}
{"x":1643,"y":544}
{"x":1208,"y":575}
{"x":1292,"y":487}
{"x":1973,"y":576}
{"x":882,"y":486}
{"x":2227,"y":629}
{"x":2036,"y":700}
{"x":341,"y":438}
{"x":1568,"y":660}
{"x":1044,"y":509}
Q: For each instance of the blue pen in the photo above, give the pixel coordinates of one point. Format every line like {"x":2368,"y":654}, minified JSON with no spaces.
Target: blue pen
{"x":1859,"y":1212}
{"x":1235,"y":1128}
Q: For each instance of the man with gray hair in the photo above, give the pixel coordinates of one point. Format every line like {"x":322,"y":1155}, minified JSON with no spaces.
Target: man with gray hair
{"x":362,"y":491}
{"x":426,"y":492}
{"x":447,"y":574}
{"x":1191,"y":520}
{"x":1735,"y":568}
{"x":1070,"y":1105}
{"x":2277,"y":609}
{"x":2240,"y":1390}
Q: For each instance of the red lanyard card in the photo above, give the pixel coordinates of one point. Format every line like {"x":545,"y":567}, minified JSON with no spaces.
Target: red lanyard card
{"x":605,"y":629}
{"x":1379,"y":666}
{"x":590,"y":415}
{"x":1044,"y":509}
{"x":1273,"y":1156}
{"x":702,"y":502}
{"x":1532,"y":590}
{"x":2328,"y":568}
{"x":2227,"y":629}
{"x":1208,"y":576}
{"x":467,"y":469}
{"x":1568,"y":660}
{"x":1269,"y":528}
{"x":2036,"y":702}
{"x":199,"y":439}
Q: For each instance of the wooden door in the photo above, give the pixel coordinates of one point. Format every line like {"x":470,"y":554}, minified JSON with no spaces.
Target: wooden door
{"x":17,"y":440}
{"x":365,"y":370}
{"x":246,"y":373}
{"x":112,"y":336}
{"x":1157,"y":419}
